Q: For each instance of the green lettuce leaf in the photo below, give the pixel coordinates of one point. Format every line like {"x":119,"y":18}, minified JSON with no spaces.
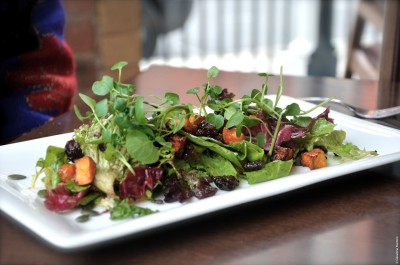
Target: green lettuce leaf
{"x":55,"y":157}
{"x":273,"y":170}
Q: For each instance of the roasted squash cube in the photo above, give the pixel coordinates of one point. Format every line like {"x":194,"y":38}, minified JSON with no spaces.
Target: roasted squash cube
{"x":66,"y":172}
{"x":192,"y":123}
{"x":282,"y":153}
{"x":313,"y":159}
{"x":85,"y":170}
{"x":229,"y":136}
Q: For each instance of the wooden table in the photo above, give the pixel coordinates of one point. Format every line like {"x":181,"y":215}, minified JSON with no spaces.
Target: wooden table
{"x":353,"y":219}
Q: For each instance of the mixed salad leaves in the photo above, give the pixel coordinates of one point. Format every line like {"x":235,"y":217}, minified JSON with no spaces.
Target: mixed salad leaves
{"x":130,"y":149}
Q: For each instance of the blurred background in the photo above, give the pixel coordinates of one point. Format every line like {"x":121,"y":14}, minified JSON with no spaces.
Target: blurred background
{"x":306,"y":37}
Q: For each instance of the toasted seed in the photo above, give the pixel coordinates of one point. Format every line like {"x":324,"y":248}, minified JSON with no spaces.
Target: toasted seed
{"x":82,"y":218}
{"x":42,"y":193}
{"x":89,"y":212}
{"x":16,"y":177}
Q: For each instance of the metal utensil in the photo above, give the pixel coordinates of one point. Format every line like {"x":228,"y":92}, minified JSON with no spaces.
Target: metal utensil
{"x":360,"y":112}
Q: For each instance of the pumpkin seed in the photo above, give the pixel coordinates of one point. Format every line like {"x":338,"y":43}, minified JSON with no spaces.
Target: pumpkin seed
{"x":82,"y":218}
{"x":42,"y":193}
{"x":16,"y":177}
{"x":89,"y":212}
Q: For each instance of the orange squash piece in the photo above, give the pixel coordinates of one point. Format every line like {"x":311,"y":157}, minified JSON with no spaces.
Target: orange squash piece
{"x":313,"y":159}
{"x":66,"y":172}
{"x":192,"y":123}
{"x":85,"y":170}
{"x":229,"y":136}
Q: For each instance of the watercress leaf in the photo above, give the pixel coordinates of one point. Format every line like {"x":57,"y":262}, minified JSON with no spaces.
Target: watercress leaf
{"x":215,"y":119}
{"x":268,"y":102}
{"x":141,"y":148}
{"x":217,"y":89}
{"x":101,"y":107}
{"x":193,"y":91}
{"x":256,"y":94}
{"x":235,"y":119}
{"x":120,"y":104}
{"x":139,"y":111}
{"x":78,"y":113}
{"x":178,"y":123}
{"x":246,"y":103}
{"x":249,"y":121}
{"x":131,"y":88}
{"x":212,"y":72}
{"x":88,"y":100}
{"x":122,"y":88}
{"x":119,"y":65}
{"x":162,"y":141}
{"x":292,"y":109}
{"x":122,"y":121}
{"x":214,"y":104}
{"x":214,"y":91}
{"x":229,"y":112}
{"x":104,"y":86}
{"x":148,"y":131}
{"x":302,"y":121}
{"x":171,"y":98}
{"x":265,"y":74}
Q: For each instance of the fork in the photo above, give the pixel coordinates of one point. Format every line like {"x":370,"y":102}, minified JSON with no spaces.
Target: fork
{"x":360,"y":112}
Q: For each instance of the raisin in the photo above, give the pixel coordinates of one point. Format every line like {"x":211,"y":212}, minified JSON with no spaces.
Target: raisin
{"x":227,"y":183}
{"x":252,"y":166}
{"x":209,"y":130}
{"x":73,"y":150}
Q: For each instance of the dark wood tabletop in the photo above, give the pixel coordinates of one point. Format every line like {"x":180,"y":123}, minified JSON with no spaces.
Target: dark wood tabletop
{"x":352,"y":219}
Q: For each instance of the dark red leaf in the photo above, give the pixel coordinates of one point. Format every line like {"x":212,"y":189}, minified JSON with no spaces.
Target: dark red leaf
{"x":61,"y":199}
{"x":135,"y":185}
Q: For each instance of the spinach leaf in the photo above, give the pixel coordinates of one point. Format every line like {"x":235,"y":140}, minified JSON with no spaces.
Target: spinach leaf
{"x":217,"y":166}
{"x":222,"y":151}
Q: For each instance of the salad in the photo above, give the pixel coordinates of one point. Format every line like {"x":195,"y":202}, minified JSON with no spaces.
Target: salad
{"x":130,"y":149}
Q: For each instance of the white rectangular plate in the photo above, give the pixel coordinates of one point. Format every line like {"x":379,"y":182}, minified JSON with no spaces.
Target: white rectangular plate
{"x":20,"y":201}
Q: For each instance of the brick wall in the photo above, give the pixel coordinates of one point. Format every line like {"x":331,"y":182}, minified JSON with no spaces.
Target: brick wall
{"x":101,"y":33}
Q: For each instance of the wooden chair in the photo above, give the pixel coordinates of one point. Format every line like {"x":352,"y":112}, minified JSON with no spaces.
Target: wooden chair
{"x":380,"y":62}
{"x":362,"y":61}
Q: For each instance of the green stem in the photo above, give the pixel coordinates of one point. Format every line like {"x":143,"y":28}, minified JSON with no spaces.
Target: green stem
{"x":278,"y":125}
{"x":317,"y":106}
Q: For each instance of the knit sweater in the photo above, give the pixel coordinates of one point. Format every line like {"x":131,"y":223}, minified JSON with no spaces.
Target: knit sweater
{"x":37,"y":70}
